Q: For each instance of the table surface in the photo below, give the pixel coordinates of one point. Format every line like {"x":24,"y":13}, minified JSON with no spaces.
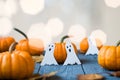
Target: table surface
{"x":70,"y":72}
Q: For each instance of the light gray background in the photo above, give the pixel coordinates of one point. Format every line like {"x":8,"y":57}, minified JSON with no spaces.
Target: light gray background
{"x":92,"y":14}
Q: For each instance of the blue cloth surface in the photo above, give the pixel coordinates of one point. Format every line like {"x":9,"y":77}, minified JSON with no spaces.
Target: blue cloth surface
{"x":70,"y":72}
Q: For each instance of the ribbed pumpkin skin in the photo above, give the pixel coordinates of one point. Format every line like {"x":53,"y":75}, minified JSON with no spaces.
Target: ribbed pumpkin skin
{"x":109,"y":57}
{"x":60,"y":52}
{"x":5,"y":43}
{"x":16,"y":65}
{"x":84,"y":45}
{"x":23,"y":45}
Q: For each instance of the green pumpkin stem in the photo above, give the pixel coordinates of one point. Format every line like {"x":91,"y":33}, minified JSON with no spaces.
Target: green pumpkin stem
{"x":12,"y":46}
{"x":64,"y":37}
{"x":21,"y":33}
{"x":118,"y":43}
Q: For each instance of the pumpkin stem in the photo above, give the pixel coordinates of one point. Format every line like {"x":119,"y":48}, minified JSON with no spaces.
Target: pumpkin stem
{"x":21,"y":33}
{"x":12,"y":46}
{"x":118,"y":43}
{"x":64,"y":37}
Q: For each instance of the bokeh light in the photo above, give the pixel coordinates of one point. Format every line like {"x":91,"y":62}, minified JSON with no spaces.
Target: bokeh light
{"x":99,"y":34}
{"x":112,"y":3}
{"x":54,"y":27}
{"x":7,"y":8}
{"x":38,"y":30}
{"x":32,"y":7}
{"x":78,"y":32}
{"x":5,"y":26}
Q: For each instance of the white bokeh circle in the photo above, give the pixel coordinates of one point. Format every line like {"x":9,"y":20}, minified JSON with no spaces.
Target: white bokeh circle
{"x":38,"y":31}
{"x":112,"y":3}
{"x":55,"y":27}
{"x":8,"y":8}
{"x":78,"y":32}
{"x":32,"y":7}
{"x":99,"y":34}
{"x":5,"y":26}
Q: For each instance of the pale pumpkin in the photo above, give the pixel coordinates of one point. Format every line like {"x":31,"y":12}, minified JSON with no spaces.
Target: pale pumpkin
{"x":16,"y":64}
{"x":5,"y":43}
{"x":60,"y":51}
{"x":109,"y":57}
{"x":33,"y":45}
{"x":84,"y":45}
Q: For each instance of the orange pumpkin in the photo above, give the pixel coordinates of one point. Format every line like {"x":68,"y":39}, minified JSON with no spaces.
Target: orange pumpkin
{"x":60,"y":51}
{"x":84,"y":45}
{"x":33,"y":45}
{"x":5,"y":43}
{"x":16,"y":64}
{"x":109,"y":57}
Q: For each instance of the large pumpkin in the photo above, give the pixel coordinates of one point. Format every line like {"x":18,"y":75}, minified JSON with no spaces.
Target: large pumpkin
{"x":84,"y":45}
{"x":60,"y":51}
{"x":109,"y":57}
{"x":16,"y":64}
{"x":33,"y":45}
{"x":5,"y":43}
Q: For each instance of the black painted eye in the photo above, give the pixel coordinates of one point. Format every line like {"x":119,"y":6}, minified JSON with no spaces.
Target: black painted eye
{"x":70,"y":46}
{"x":50,"y":49}
{"x":52,"y":45}
{"x":49,"y":45}
{"x":67,"y":46}
{"x":69,"y":50}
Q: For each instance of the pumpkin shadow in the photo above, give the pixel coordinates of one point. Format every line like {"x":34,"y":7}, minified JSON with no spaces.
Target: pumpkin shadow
{"x":85,"y":61}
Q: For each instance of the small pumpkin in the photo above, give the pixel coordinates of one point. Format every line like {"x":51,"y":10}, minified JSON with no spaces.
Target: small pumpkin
{"x":5,"y":43}
{"x":109,"y":57}
{"x":84,"y":45}
{"x":16,"y":64}
{"x":33,"y":45}
{"x":60,"y":51}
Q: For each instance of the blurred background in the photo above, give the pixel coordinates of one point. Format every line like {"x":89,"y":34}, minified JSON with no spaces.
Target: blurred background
{"x":49,"y":20}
